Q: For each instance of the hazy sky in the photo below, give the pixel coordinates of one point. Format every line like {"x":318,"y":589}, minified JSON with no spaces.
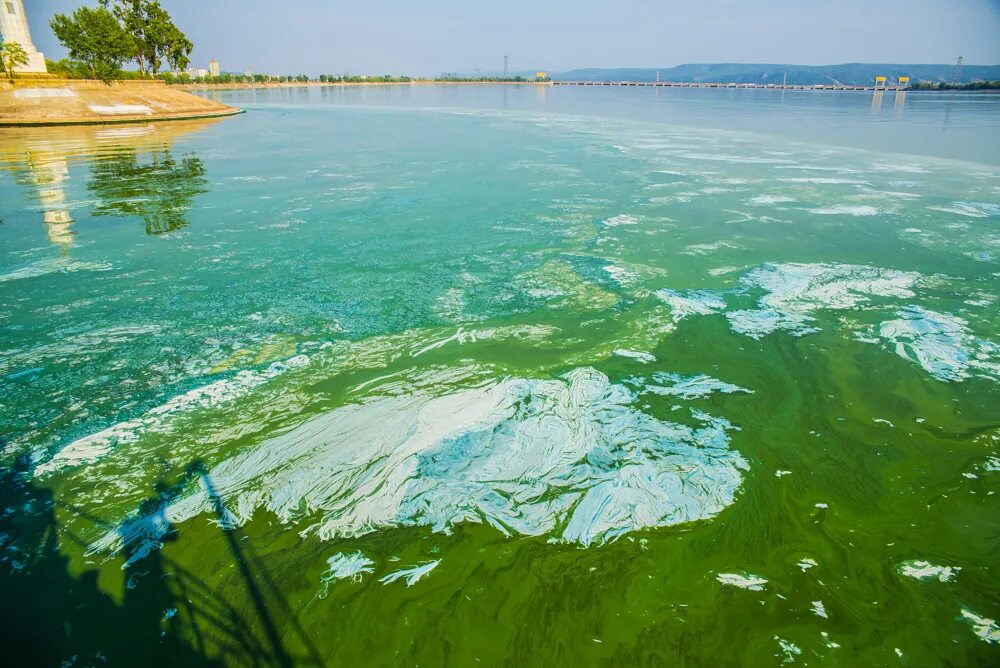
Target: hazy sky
{"x":433,"y":36}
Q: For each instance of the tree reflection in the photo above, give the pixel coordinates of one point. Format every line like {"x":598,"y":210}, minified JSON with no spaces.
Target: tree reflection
{"x":156,"y":186}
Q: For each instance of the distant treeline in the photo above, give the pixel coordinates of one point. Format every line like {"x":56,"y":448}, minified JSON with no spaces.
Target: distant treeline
{"x":227,"y":78}
{"x":972,"y":85}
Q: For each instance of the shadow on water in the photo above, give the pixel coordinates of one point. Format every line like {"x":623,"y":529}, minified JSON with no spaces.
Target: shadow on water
{"x":168,"y":615}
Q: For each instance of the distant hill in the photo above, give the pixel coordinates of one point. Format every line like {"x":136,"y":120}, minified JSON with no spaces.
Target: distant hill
{"x":851,"y":74}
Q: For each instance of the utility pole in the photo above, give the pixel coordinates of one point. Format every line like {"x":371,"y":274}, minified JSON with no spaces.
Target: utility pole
{"x":784,"y":82}
{"x":657,"y":76}
{"x":958,"y":71}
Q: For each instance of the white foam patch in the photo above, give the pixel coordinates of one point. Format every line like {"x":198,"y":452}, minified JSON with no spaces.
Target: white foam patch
{"x":622,"y":275}
{"x":635,"y":354}
{"x":53,"y":266}
{"x":795,"y":291}
{"x":411,"y":575}
{"x":823,"y":180}
{"x":923,"y":570}
{"x":157,"y":420}
{"x":464,"y":336}
{"x":691,"y":302}
{"x":905,"y":169}
{"x":691,"y":387}
{"x":120,"y":109}
{"x":970,"y":209}
{"x":570,"y":458}
{"x":789,"y":649}
{"x":342,"y":566}
{"x":985,"y":629}
{"x":847,"y":210}
{"x":767,"y":200}
{"x":940,"y":343}
{"x":748,"y":581}
{"x":624,"y":219}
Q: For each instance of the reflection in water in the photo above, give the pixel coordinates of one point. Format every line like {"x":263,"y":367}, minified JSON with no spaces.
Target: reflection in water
{"x":877,"y":100}
{"x":158,"y":188}
{"x":134,"y":172}
{"x":900,"y":100}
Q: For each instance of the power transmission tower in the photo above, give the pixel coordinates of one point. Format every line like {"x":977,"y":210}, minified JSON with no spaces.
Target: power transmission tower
{"x":958,"y":71}
{"x":506,"y":70}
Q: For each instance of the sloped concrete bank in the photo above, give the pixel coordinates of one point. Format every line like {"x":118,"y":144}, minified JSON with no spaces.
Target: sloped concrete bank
{"x":52,"y":101}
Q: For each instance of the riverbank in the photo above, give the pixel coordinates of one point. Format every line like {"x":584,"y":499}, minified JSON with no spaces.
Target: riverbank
{"x":33,"y":102}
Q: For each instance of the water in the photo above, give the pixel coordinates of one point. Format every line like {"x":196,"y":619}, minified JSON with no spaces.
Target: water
{"x":505,"y":376}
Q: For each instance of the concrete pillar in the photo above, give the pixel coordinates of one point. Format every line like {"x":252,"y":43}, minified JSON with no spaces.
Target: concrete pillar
{"x":14,"y":28}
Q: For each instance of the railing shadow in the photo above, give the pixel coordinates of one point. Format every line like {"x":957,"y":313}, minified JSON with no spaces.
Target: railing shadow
{"x":168,"y":615}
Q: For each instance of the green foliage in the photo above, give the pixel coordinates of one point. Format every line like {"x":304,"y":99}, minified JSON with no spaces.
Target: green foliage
{"x":66,"y":68}
{"x":156,"y":38}
{"x":95,"y":38}
{"x":12,"y":55}
{"x":514,"y":79}
{"x":171,"y":78}
{"x":971,"y":85}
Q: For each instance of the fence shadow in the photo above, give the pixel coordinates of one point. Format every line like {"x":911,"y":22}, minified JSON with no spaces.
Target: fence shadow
{"x":168,"y":615}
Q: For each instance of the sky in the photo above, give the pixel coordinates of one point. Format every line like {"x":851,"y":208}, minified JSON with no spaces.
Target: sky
{"x":434,"y":36}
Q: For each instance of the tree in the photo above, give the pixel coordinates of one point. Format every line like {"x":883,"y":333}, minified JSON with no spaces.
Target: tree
{"x":12,"y":55}
{"x":156,"y":38}
{"x":94,"y":37}
{"x":164,"y":40}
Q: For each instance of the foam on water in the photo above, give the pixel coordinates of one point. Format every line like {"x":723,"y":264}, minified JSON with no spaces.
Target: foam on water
{"x":922,"y":570}
{"x":569,"y":458}
{"x":847,"y":210}
{"x":794,"y":291}
{"x":766,"y":200}
{"x":986,"y":629}
{"x":53,"y":266}
{"x":635,"y":354}
{"x":691,"y":387}
{"x":411,"y":575}
{"x":343,"y":566}
{"x":742,"y":581}
{"x":692,"y":302}
{"x":624,"y":219}
{"x":940,"y":343}
{"x":970,"y":209}
{"x":93,"y":447}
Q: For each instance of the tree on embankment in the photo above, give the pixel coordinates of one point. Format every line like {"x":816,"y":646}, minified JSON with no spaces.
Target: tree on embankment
{"x":157,"y":38}
{"x":95,"y":38}
{"x":102,"y":40}
{"x":12,"y":55}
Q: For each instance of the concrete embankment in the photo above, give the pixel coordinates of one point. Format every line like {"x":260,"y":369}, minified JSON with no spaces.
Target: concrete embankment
{"x":51,"y":101}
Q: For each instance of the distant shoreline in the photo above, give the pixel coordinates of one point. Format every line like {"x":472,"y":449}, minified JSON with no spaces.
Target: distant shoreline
{"x":585,"y":84}
{"x":308,"y":84}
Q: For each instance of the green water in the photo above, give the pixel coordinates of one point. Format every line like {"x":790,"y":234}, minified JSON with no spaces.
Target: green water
{"x":504,"y":376}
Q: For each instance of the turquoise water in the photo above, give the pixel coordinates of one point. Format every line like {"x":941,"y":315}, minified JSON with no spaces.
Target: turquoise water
{"x":508,"y":376}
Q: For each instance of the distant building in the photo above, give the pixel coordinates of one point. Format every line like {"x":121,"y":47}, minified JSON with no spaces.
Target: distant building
{"x":248,"y":73}
{"x":201,"y":72}
{"x":213,"y":67}
{"x":14,"y":28}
